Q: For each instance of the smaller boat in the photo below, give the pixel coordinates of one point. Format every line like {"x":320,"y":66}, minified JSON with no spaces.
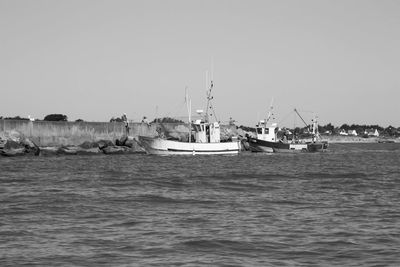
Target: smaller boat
{"x":267,"y":139}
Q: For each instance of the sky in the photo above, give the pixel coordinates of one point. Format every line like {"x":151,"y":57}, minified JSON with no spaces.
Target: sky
{"x":93,"y":59}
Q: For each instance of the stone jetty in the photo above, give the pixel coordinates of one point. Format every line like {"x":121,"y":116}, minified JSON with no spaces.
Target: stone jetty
{"x":18,"y":145}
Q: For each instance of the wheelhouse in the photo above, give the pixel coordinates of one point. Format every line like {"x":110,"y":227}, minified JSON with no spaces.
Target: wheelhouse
{"x":265,"y":132}
{"x":206,"y":132}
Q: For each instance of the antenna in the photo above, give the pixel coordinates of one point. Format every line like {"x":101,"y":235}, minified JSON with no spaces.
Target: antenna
{"x":209,"y":87}
{"x":271,"y":107}
{"x":188,"y":102}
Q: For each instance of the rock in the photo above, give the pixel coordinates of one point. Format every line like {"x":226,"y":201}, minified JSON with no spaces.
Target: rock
{"x":228,"y":134}
{"x":11,"y":144}
{"x":104,"y":143}
{"x":88,"y":151}
{"x":116,"y":150}
{"x":23,"y":146}
{"x":67,"y":150}
{"x":14,"y":136}
{"x":30,"y":147}
{"x":121,"y":141}
{"x":2,"y":143}
{"x":13,"y":152}
{"x":89,"y":145}
{"x":130,"y":143}
{"x":135,"y":146}
{"x":179,"y":133}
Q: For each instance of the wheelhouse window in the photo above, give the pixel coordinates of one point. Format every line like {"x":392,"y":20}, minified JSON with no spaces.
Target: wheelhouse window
{"x":197,"y":128}
{"x":259,"y":130}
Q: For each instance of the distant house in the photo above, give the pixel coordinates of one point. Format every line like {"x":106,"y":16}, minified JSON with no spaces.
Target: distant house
{"x":343,"y":132}
{"x":372,"y":132}
{"x":352,"y":132}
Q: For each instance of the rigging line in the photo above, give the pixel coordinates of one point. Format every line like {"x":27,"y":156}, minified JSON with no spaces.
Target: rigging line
{"x":285,"y":117}
{"x":295,"y":110}
{"x":178,"y":108}
{"x":210,"y":104}
{"x":305,"y":111}
{"x":215,"y":114}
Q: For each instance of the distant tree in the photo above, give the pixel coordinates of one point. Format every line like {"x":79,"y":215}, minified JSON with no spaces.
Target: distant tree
{"x":298,"y":130}
{"x":16,"y":118}
{"x":390,"y":131}
{"x":345,"y":127}
{"x":328,"y":127}
{"x":79,"y":120}
{"x":379,"y":128}
{"x":167,"y":120}
{"x":118,"y":119}
{"x":56,"y":117}
{"x":360,"y":129}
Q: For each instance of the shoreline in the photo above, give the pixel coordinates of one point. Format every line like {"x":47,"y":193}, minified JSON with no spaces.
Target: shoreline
{"x":355,"y":139}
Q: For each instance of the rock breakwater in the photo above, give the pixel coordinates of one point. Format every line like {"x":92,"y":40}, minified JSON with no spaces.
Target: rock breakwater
{"x":21,"y":146}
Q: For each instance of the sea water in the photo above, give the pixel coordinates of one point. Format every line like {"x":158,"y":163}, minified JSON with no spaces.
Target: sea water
{"x":337,"y":208}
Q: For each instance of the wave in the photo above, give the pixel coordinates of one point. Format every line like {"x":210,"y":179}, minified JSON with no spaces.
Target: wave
{"x":222,"y":244}
{"x":338,"y":175}
{"x":151,"y":198}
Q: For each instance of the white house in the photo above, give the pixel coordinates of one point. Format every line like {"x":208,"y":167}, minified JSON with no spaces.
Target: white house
{"x":372,"y":132}
{"x":352,"y":132}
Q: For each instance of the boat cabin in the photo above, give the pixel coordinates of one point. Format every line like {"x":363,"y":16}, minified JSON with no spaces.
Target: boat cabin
{"x":206,"y":132}
{"x":267,"y":132}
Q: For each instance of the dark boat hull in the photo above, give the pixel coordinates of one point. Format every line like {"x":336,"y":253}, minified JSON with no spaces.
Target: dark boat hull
{"x":258,"y":145}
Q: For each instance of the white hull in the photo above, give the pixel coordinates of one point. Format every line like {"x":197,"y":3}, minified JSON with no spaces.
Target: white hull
{"x":158,"y":146}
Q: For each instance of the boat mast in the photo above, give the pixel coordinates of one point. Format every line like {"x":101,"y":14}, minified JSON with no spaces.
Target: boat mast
{"x":315,"y":131}
{"x":313,"y":125}
{"x":209,"y":97}
{"x":189,"y":109}
{"x":269,"y":112}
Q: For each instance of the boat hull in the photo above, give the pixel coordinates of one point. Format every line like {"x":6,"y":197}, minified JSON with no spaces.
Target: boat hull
{"x":159,"y":146}
{"x":258,"y":145}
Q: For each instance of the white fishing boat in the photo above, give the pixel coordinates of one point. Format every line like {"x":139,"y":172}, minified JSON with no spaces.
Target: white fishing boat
{"x":206,"y":137}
